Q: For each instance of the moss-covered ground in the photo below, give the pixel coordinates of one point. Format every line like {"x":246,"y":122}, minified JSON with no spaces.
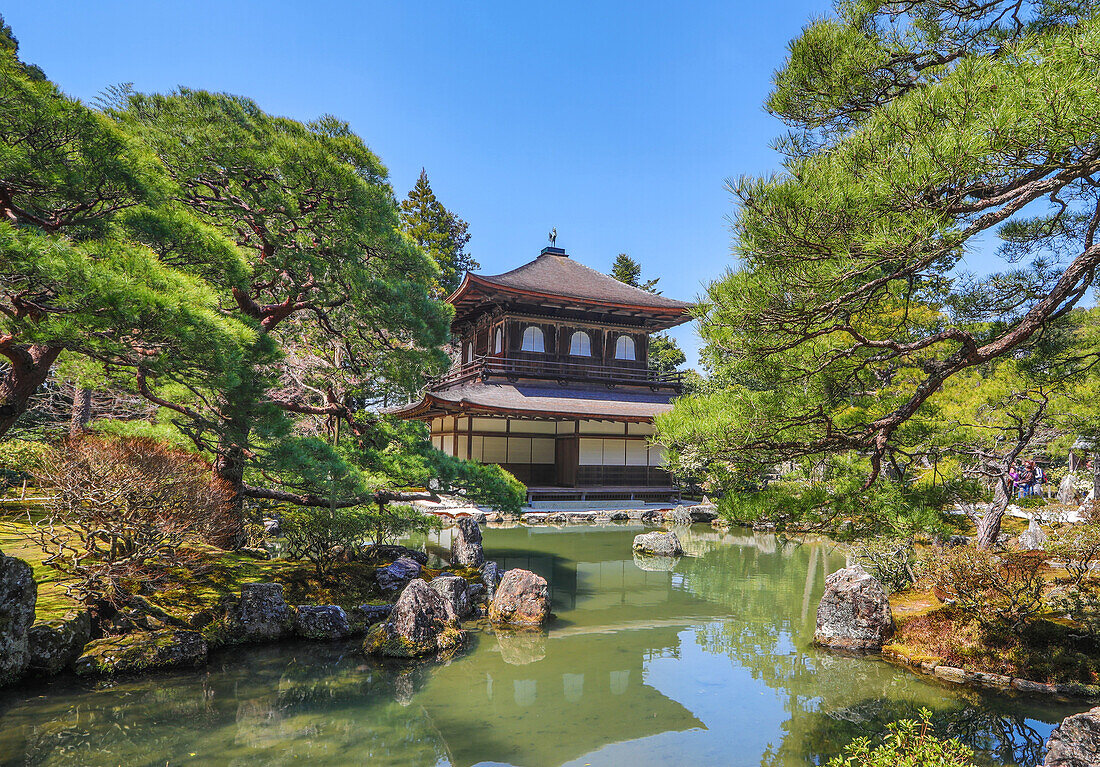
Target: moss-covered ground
{"x":1044,"y":651}
{"x":53,"y":601}
{"x":205,"y":577}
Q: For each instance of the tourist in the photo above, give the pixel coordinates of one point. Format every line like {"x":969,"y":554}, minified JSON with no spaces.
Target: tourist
{"x":1027,"y":479}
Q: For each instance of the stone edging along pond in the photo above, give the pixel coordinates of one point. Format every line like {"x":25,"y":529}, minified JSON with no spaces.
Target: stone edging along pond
{"x":929,"y":666}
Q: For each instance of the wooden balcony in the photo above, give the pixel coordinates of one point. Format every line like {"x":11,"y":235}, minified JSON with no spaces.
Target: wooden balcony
{"x":514,"y":368}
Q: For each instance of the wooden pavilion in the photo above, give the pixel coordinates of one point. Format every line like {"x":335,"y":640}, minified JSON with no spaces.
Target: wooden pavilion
{"x":552,"y":381}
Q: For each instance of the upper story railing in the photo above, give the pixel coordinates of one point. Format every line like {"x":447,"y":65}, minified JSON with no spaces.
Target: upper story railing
{"x":514,"y":368}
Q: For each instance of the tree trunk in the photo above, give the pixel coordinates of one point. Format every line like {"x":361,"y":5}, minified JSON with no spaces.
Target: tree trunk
{"x":989,"y":527}
{"x":229,"y":467}
{"x":29,"y":368}
{"x":1096,"y":479}
{"x":82,"y":411}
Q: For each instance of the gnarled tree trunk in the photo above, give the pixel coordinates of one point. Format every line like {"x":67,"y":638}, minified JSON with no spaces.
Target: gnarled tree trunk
{"x":989,"y":526}
{"x":29,"y":366}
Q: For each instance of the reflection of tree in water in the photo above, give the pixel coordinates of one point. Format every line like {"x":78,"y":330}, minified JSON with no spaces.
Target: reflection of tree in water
{"x":773,"y":591}
{"x":256,"y":709}
{"x":997,"y":735}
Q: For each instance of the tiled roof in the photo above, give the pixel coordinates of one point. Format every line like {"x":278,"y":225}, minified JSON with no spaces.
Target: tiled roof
{"x":602,"y":403}
{"x":560,"y":275}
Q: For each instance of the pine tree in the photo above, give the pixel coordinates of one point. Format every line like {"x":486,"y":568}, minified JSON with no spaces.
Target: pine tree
{"x":439,"y":233}
{"x":626,"y":269}
{"x":918,"y":133}
{"x":97,"y":259}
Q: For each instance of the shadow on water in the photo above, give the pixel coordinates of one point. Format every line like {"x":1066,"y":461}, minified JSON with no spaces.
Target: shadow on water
{"x":704,"y":660}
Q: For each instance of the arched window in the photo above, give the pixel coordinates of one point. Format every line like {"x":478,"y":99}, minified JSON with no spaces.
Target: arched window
{"x":532,"y":340}
{"x":498,"y":341}
{"x":580,"y":345}
{"x":624,"y":348}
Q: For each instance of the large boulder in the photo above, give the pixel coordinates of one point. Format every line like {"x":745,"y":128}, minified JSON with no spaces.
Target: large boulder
{"x":854,"y":613}
{"x":54,"y":645}
{"x":522,"y":599}
{"x":395,"y":576}
{"x":455,"y":590}
{"x":422,"y":623}
{"x":1076,"y":741}
{"x":651,"y":517}
{"x":658,"y":544}
{"x":466,"y":549}
{"x":144,"y":651}
{"x":18,"y":594}
{"x":321,"y":622}
{"x":261,"y":614}
{"x":490,"y":576}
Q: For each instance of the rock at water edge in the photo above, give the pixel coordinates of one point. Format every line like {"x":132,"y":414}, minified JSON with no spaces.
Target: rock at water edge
{"x":422,"y":622}
{"x":679,"y":516}
{"x":658,"y":544}
{"x":1076,"y":741}
{"x":490,"y":576}
{"x":395,"y":576}
{"x":321,"y":622}
{"x":466,"y":549}
{"x":522,"y":599}
{"x":54,"y":645}
{"x":854,"y":613}
{"x":144,"y":651}
{"x":261,"y":614}
{"x":455,"y":590}
{"x":18,"y":594}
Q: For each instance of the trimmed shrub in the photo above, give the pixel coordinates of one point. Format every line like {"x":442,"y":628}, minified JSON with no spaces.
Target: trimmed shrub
{"x":119,"y":506}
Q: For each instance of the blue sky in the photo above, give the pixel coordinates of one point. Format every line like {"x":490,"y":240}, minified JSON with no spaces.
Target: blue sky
{"x":617,"y":123}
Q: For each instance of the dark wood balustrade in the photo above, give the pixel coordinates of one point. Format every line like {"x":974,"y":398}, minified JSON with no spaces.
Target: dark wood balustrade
{"x":514,"y":368}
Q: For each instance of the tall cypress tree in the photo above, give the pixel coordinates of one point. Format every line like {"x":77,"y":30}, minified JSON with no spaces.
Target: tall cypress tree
{"x":439,"y":233}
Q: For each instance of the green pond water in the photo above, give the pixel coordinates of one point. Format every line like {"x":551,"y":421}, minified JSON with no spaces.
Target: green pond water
{"x":701,"y":662}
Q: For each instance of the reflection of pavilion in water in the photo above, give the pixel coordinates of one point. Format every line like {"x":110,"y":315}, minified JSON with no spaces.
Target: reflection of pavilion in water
{"x":581,"y":685}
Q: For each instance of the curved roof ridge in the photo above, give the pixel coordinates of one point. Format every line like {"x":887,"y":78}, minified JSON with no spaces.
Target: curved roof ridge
{"x":561,"y":275}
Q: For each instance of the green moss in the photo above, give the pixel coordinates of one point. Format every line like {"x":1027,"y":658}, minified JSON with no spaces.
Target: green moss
{"x":53,"y":601}
{"x":379,"y":641}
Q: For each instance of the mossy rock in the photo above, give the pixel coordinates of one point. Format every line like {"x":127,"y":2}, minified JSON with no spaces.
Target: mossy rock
{"x":147,"y":651}
{"x":382,"y":640}
{"x":56,"y":644}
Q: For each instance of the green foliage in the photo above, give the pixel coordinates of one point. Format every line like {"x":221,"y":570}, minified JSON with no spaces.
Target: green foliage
{"x":908,"y":743}
{"x":889,"y":560}
{"x":403,"y":452}
{"x":98,"y":258}
{"x":324,"y":535}
{"x":19,"y":460}
{"x":626,"y":269}
{"x":835,"y":501}
{"x":440,"y":233}
{"x":917,"y":133}
{"x":664,"y":355}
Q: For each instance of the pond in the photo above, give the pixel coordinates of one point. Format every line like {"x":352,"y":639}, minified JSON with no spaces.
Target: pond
{"x":704,"y":662}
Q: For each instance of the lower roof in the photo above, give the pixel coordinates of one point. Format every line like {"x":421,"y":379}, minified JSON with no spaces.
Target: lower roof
{"x":535,"y":400}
